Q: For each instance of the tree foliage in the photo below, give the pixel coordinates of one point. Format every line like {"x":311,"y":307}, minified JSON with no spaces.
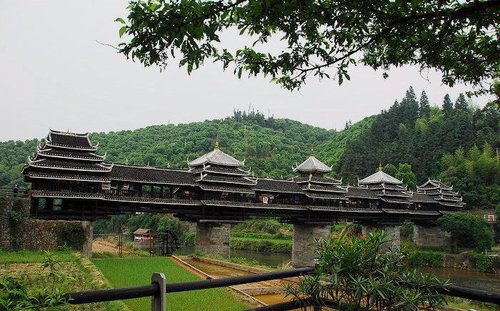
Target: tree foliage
{"x":271,"y":146}
{"x":357,"y":275}
{"x":468,"y":230}
{"x":403,"y":135}
{"x":459,"y":38}
{"x":476,"y":173}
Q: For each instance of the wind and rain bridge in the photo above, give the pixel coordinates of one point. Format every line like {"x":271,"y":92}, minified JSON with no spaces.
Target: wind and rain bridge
{"x":71,"y":181}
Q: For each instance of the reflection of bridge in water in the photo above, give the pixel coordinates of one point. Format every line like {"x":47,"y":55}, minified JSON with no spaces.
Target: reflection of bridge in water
{"x":71,"y":181}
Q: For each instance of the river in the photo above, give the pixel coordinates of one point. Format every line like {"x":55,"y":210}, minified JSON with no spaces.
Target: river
{"x":473,"y":279}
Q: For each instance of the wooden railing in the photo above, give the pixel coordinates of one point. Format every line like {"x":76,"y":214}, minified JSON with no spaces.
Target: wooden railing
{"x":9,"y":192}
{"x":158,"y":287}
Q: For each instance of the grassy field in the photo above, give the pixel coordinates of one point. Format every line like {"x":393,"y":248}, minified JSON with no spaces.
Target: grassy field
{"x":76,"y":272}
{"x":123,"y":272}
{"x":8,"y":257}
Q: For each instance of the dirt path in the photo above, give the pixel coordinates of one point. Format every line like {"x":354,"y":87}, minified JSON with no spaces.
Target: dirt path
{"x":266,"y":292}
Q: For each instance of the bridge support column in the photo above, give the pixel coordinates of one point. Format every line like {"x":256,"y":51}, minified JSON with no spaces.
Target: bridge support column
{"x":303,"y":243}
{"x":88,"y":234}
{"x":213,"y":238}
{"x":393,"y":231}
{"x":430,"y":235}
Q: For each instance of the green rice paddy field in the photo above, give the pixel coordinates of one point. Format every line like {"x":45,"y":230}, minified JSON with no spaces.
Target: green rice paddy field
{"x":124,"y":272}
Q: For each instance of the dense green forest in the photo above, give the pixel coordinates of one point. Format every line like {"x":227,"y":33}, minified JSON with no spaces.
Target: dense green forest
{"x":414,"y":139}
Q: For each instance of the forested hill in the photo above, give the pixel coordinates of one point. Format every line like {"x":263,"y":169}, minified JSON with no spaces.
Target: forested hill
{"x":413,"y":139}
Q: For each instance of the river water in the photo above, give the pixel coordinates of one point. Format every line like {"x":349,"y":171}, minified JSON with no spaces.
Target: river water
{"x":473,"y":279}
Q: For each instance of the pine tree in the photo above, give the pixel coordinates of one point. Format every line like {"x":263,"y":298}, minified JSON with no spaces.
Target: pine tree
{"x":425,"y":107}
{"x":461,"y":103}
{"x":447,"y":105}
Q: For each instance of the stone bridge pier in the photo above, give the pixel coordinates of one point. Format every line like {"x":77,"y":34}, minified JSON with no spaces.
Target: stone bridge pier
{"x":392,"y":229}
{"x":429,"y":234}
{"x":303,"y":248}
{"x":213,"y":238}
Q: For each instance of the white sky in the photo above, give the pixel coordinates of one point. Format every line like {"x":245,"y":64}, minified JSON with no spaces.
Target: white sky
{"x":53,"y":74}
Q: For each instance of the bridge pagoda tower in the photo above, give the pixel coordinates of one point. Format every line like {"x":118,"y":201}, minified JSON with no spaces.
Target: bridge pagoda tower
{"x":392,"y":195}
{"x":441,"y":193}
{"x":65,"y":164}
{"x":320,"y":190}
{"x":221,"y":178}
{"x":439,"y":196}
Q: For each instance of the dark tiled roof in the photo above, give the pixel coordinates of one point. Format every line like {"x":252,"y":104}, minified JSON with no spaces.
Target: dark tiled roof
{"x":216,"y":157}
{"x":277,"y":186}
{"x":254,"y":205}
{"x":63,"y":176}
{"x":317,"y":180}
{"x":422,"y":198}
{"x":69,"y":140}
{"x":312,"y":165}
{"x":228,"y":179}
{"x":68,"y":154}
{"x":380,"y":177}
{"x":69,"y":165}
{"x":226,"y":188}
{"x":361,"y":193}
{"x":323,"y":188}
{"x":152,"y":175}
{"x":219,"y":170}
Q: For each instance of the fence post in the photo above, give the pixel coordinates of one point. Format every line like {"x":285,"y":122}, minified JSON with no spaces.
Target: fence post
{"x":159,"y":301}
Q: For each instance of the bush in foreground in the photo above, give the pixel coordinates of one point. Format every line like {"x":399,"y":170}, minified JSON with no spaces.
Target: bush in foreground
{"x":354,"y":274}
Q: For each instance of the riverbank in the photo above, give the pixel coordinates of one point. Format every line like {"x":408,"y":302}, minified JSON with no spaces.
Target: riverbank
{"x":465,"y":259}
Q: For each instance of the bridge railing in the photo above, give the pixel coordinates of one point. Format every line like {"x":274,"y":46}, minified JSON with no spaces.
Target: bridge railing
{"x":9,"y":192}
{"x":158,"y":287}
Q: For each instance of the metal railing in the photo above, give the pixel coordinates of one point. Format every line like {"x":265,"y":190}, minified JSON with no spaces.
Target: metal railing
{"x":158,"y":287}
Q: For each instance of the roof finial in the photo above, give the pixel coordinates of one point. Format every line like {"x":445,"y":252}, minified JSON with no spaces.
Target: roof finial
{"x":312,"y":150}
{"x":380,"y":166}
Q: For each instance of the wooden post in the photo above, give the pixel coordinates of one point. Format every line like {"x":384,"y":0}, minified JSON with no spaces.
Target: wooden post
{"x":159,"y":301}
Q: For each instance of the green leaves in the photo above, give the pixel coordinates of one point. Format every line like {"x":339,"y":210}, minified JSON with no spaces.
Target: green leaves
{"x":356,"y":275}
{"x":456,"y":37}
{"x":122,"y":31}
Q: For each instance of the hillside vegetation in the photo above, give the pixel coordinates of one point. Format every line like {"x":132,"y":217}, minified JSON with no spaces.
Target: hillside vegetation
{"x":455,"y":142}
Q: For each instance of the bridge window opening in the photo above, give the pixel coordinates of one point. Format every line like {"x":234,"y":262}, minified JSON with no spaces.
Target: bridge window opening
{"x":42,"y":203}
{"x":57,"y":204}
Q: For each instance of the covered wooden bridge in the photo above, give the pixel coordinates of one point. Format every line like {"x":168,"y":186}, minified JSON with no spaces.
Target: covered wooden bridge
{"x":70,"y":180}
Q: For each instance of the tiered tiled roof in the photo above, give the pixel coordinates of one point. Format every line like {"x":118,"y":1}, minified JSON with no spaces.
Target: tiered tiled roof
{"x":441,"y":193}
{"x":147,"y":174}
{"x":389,"y":189}
{"x":217,"y":171}
{"x":314,"y":184}
{"x":70,"y":157}
{"x":312,"y":165}
{"x":67,"y":156}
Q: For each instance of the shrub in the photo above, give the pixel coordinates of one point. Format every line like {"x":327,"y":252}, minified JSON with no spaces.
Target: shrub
{"x":425,"y":259}
{"x":407,"y":231}
{"x":467,"y":230}
{"x":354,"y":274}
{"x":484,"y":263}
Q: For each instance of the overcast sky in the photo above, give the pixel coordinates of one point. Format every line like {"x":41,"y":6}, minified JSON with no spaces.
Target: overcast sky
{"x":53,"y":74}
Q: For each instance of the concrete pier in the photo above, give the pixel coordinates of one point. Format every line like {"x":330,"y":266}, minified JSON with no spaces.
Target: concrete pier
{"x":393,"y":231}
{"x":213,"y":238}
{"x":88,"y":232}
{"x":303,"y":247}
{"x":430,"y":235}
